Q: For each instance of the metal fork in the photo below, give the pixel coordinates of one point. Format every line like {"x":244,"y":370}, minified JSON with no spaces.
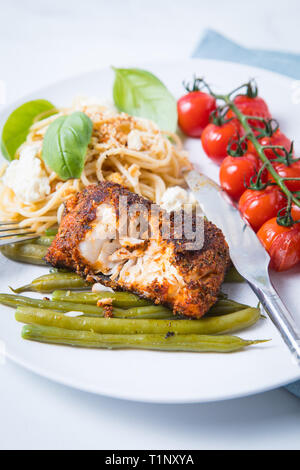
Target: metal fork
{"x":10,"y":233}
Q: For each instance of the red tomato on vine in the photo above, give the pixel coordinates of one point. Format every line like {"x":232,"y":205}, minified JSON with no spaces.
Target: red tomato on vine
{"x":216,"y":138}
{"x":194,"y":110}
{"x":257,"y":207}
{"x":291,"y":171}
{"x":295,"y":213}
{"x":278,"y":138}
{"x":251,"y":104}
{"x":236,"y":173}
{"x":282,"y":244}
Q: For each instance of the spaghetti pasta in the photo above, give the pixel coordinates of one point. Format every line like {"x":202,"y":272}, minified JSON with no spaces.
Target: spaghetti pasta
{"x":124,"y":149}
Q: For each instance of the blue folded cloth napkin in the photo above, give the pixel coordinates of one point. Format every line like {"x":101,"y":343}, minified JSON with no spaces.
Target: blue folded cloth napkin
{"x":215,"y":46}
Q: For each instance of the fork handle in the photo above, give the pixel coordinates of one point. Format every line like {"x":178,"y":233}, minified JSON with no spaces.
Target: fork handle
{"x":280,"y":316}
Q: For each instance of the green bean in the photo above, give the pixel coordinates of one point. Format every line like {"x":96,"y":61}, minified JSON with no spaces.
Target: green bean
{"x":205,"y":326}
{"x":86,"y":339}
{"x":45,"y":240}
{"x":53,"y":281}
{"x":225,"y":306}
{"x":120,"y":299}
{"x":51,"y":232}
{"x":150,"y":311}
{"x":233,"y":276}
{"x":59,"y":270}
{"x":222,"y":295}
{"x":19,"y":300}
{"x":126,"y":300}
{"x":25,"y":253}
{"x":90,"y":310}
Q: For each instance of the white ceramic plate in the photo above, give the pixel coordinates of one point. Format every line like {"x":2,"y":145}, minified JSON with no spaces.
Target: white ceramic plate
{"x":159,"y":376}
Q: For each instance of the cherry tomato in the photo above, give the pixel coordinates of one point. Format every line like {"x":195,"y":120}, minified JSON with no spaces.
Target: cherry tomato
{"x":259,"y":206}
{"x":295,"y":212}
{"x":278,"y":138}
{"x":251,"y":107}
{"x":291,"y":171}
{"x":236,"y":173}
{"x":282,"y":244}
{"x":194,"y":110}
{"x":215,"y":140}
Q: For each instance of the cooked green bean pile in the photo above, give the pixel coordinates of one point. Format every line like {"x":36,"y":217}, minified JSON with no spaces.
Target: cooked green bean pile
{"x":76,"y":316}
{"x":78,"y":319}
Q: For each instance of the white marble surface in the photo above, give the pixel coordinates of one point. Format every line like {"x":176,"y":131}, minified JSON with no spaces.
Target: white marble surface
{"x":44,"y":41}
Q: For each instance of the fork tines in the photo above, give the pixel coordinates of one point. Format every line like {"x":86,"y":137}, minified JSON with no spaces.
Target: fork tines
{"x":9,"y":233}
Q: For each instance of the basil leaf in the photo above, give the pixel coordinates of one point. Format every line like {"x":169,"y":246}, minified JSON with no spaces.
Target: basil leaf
{"x":140,"y":93}
{"x":17,"y":126}
{"x":65,"y":144}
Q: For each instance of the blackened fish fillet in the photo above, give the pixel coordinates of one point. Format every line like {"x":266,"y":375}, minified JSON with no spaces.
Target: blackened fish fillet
{"x":163,"y":270}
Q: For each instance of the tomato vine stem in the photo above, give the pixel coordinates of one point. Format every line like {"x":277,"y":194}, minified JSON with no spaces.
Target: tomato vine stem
{"x":260,"y":149}
{"x":249,"y":134}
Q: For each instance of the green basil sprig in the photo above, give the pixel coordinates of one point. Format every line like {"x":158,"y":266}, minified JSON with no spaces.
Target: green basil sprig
{"x":139,"y":93}
{"x":65,"y":144}
{"x":17,"y":126}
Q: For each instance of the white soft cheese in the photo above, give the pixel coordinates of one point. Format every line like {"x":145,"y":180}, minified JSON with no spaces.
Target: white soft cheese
{"x":26,"y":176}
{"x":175,"y":198}
{"x":97,"y":287}
{"x":134,"y":141}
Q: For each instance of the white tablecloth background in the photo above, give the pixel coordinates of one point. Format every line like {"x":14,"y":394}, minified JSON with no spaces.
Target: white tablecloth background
{"x":45,"y":41}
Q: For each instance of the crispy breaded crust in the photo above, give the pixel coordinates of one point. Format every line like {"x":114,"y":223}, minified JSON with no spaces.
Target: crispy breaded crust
{"x":202,"y":270}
